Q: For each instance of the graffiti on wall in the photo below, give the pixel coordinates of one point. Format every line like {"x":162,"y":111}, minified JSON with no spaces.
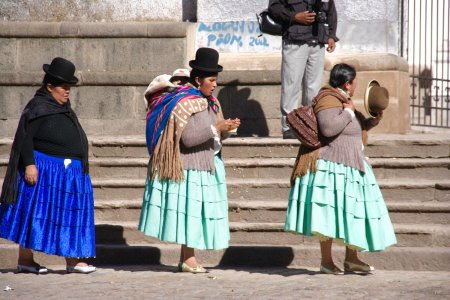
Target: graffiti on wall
{"x":236,"y":36}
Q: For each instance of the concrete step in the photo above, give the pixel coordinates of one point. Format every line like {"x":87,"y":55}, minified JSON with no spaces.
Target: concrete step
{"x":380,"y":145}
{"x":384,"y":168}
{"x":393,"y":190}
{"x":414,"y":144}
{"x":294,"y":255}
{"x":400,"y":212}
{"x":278,"y":189}
{"x":431,"y":212}
{"x":261,"y":189}
{"x":408,"y":235}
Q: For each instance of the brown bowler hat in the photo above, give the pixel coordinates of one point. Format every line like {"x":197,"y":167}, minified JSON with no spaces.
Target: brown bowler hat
{"x":376,"y":98}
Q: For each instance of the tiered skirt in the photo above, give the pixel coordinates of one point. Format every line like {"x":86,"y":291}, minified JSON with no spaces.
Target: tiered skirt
{"x":56,"y":215}
{"x":343,"y":203}
{"x":193,"y":212}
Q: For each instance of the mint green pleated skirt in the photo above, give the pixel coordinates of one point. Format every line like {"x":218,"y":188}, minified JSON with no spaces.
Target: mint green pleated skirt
{"x":193,"y":212}
{"x":343,"y":203}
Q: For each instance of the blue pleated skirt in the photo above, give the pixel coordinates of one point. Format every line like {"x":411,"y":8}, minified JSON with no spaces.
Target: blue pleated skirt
{"x":193,"y":212}
{"x":56,"y":215}
{"x":343,"y":203}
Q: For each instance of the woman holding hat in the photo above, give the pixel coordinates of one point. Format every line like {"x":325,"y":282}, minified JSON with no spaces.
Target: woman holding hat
{"x":46,"y":203}
{"x":334,"y":194}
{"x":185,"y":198}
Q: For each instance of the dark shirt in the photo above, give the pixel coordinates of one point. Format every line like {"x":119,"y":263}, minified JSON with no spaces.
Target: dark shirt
{"x":283,"y":11}
{"x":55,"y":135}
{"x":57,"y":138}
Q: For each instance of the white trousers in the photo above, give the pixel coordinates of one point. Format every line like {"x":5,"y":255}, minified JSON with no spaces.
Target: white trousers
{"x":301,"y":76}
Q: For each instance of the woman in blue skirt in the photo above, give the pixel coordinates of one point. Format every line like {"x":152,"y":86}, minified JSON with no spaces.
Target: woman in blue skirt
{"x":47,"y":201}
{"x":334,"y":194}
{"x":185,"y":198}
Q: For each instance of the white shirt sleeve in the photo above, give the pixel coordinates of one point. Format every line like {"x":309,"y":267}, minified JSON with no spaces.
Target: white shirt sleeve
{"x":352,"y":113}
{"x":217,"y":143}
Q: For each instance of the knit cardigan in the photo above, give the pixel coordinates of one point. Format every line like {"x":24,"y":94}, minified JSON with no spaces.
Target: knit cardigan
{"x":197,"y":142}
{"x":342,"y":136}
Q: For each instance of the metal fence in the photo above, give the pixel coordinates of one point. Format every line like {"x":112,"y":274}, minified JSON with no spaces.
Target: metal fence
{"x":427,"y":50}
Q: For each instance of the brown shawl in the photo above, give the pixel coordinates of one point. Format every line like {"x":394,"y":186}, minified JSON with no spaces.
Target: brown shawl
{"x":328,"y":97}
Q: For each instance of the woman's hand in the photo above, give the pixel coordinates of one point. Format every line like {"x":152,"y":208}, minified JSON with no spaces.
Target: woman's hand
{"x":349,"y":104}
{"x":228,"y":124}
{"x":236,"y":124}
{"x":375,"y":121}
{"x":31,"y":174}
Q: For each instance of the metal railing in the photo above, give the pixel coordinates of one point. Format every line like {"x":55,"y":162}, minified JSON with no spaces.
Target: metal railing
{"x":427,"y":51}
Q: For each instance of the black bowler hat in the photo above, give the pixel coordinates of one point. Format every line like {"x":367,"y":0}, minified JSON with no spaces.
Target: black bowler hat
{"x":61,"y":69}
{"x":206,"y":59}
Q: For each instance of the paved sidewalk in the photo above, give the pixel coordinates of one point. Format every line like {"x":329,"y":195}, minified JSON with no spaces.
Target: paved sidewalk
{"x":163,"y":282}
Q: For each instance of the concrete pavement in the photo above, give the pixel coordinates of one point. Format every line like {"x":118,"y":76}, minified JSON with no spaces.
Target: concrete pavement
{"x":163,"y":282}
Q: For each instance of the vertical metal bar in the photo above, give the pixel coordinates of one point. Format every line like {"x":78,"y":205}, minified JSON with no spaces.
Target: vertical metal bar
{"x":420,"y":52}
{"x":447,"y":59}
{"x":425,"y":58}
{"x":414,"y":37}
{"x":401,"y":28}
{"x":444,"y":111}
{"x":411,"y":54}
{"x":411,"y":50}
{"x":434,"y":103}
{"x":440,"y":38}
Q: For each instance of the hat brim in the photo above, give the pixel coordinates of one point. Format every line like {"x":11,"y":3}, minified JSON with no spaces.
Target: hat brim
{"x":74,"y":79}
{"x":366,"y":97}
{"x":179,"y":77}
{"x":210,"y":70}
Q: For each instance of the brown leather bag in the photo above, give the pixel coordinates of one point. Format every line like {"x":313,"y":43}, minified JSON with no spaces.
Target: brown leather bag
{"x":303,"y":123}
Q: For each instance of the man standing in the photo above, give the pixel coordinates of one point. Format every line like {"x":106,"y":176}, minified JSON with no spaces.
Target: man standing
{"x":308,"y":25}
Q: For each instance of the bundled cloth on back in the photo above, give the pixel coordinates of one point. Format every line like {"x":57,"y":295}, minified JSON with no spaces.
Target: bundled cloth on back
{"x":328,"y":97}
{"x":169,"y":111}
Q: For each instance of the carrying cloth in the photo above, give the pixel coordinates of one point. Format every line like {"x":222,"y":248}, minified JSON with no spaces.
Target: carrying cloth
{"x":42,"y":104}
{"x":303,"y":123}
{"x":169,"y":112}
{"x":328,"y":97}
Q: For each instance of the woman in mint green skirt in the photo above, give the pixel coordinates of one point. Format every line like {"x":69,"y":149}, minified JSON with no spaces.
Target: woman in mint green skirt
{"x":185,"y":198}
{"x":334,"y":194}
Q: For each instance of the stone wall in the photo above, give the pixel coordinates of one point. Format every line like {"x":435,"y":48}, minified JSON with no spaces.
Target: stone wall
{"x":115,"y":62}
{"x":118,"y":46}
{"x":97,"y":11}
{"x":364,"y":26}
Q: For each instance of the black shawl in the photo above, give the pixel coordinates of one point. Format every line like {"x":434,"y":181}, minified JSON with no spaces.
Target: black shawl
{"x":42,"y":104}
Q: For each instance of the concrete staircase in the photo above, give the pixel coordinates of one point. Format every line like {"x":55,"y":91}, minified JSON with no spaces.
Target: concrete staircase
{"x":413,"y":171}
